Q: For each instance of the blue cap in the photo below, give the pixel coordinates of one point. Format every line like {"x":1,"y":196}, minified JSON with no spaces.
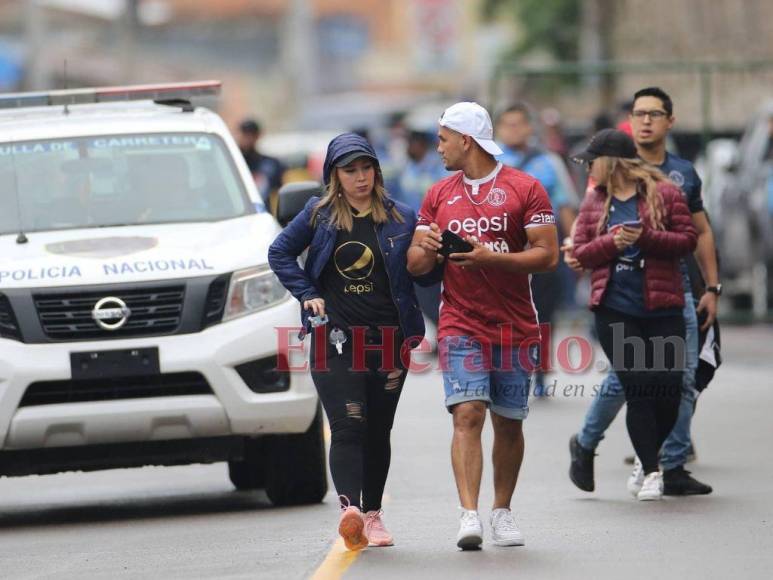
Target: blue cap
{"x":344,"y":149}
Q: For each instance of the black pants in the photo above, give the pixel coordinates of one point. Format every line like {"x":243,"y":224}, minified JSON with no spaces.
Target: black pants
{"x":429,"y":301}
{"x":546,"y":293}
{"x":360,"y":407}
{"x":650,"y":372}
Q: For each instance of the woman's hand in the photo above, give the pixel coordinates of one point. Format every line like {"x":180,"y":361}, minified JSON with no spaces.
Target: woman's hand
{"x":316,"y":305}
{"x":569,"y":259}
{"x":627,"y":236}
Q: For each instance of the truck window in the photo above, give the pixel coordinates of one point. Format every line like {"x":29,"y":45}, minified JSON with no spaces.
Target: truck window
{"x":112,"y":180}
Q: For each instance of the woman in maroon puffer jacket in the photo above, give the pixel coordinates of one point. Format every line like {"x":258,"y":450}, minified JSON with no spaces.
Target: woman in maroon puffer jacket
{"x":631,"y":232}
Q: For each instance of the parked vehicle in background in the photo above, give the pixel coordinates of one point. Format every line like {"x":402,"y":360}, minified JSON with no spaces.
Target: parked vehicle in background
{"x":137,"y":308}
{"x":739,"y":179}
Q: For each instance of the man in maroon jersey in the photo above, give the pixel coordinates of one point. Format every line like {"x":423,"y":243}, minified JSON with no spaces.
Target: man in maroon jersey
{"x":488,"y":332}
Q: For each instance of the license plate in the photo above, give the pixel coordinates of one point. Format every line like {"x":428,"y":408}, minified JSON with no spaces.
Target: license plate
{"x":106,"y":364}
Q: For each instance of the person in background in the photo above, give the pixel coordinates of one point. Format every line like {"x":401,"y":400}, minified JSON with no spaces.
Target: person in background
{"x":602,"y":120}
{"x":515,"y":135}
{"x":423,"y":169}
{"x":632,"y":229}
{"x":651,"y":120}
{"x":266,"y":171}
{"x":396,"y":147}
{"x":623,"y":114}
{"x":553,"y":132}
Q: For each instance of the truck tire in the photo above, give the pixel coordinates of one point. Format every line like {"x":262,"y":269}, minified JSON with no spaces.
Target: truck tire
{"x":250,"y":472}
{"x":296,"y":467}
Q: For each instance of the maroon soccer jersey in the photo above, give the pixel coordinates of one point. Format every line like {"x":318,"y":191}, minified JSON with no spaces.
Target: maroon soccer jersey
{"x":497,"y":209}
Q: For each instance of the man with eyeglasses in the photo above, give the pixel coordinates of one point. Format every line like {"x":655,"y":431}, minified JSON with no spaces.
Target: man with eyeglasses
{"x":651,"y":120}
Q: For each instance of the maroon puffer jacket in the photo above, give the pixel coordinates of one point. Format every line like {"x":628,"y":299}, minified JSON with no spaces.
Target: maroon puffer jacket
{"x":661,"y":249}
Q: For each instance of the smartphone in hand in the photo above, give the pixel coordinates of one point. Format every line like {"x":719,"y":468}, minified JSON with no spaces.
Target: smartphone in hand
{"x":627,"y":224}
{"x":453,"y":244}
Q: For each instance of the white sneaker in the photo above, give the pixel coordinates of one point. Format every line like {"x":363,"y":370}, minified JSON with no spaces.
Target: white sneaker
{"x":470,"y":535}
{"x":636,"y":479}
{"x":652,"y":488}
{"x":504,"y":531}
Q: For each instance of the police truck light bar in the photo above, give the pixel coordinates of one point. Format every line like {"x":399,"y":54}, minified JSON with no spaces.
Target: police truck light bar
{"x":166,"y":92}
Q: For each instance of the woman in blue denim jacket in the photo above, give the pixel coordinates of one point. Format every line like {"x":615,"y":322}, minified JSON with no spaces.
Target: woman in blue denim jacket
{"x":356,"y":286}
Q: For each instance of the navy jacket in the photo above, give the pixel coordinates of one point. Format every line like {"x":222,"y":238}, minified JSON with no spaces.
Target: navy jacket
{"x":393,"y":237}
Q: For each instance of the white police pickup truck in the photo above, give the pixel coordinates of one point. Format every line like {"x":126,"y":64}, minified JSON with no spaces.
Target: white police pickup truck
{"x":137,"y":309}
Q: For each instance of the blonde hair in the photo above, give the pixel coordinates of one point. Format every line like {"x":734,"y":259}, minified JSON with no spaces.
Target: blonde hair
{"x":341,"y":212}
{"x":618,"y":170}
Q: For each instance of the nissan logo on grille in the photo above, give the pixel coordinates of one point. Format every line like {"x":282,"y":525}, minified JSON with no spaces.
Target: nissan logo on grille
{"x":111,"y":313}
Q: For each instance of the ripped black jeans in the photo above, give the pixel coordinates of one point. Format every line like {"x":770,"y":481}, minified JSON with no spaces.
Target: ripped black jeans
{"x":360,"y":403}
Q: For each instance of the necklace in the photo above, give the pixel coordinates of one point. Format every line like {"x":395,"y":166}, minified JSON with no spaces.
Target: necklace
{"x":469,"y":194}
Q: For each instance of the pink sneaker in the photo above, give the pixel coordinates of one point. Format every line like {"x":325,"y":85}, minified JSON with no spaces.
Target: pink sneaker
{"x":375,"y":531}
{"x":351,"y":528}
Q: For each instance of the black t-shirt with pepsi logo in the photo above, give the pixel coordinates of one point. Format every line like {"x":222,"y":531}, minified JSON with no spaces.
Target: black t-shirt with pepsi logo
{"x":354,"y":282}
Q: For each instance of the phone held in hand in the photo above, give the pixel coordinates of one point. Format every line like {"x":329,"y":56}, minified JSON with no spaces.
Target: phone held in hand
{"x":627,"y":224}
{"x":453,"y":244}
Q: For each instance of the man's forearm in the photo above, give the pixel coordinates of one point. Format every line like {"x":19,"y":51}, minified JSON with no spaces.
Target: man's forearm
{"x":420,"y":261}
{"x":706,"y":257}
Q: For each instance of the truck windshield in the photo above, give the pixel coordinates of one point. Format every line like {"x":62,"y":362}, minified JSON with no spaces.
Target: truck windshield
{"x":115,"y":180}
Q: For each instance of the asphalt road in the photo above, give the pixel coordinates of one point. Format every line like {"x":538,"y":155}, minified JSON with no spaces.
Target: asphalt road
{"x":187,"y":522}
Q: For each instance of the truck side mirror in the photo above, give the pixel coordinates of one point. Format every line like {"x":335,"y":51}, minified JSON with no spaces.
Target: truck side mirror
{"x":292,"y":199}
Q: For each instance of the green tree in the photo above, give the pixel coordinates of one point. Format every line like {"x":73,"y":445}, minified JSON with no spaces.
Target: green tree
{"x":550,"y":25}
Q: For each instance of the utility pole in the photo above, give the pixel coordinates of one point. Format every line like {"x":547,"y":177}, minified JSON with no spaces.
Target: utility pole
{"x":298,"y":55}
{"x":129,"y":24}
{"x":597,"y":20}
{"x":36,"y":73}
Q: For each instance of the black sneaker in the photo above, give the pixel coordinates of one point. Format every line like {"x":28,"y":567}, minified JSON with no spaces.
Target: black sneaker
{"x":581,"y":468}
{"x":678,"y":481}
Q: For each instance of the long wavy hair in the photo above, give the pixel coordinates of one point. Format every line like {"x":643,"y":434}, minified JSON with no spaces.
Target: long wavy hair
{"x":616,"y":171}
{"x":341,"y":215}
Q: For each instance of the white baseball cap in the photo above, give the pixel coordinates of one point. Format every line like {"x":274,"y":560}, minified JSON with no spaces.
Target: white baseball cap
{"x":473,"y":120}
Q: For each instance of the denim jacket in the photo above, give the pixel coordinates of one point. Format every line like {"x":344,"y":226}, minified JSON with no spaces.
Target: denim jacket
{"x":394,"y":239}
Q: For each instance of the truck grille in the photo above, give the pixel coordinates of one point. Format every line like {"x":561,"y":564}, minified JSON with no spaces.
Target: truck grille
{"x":9,"y":328}
{"x":85,"y":390}
{"x":68,"y":315}
{"x":214,"y":305}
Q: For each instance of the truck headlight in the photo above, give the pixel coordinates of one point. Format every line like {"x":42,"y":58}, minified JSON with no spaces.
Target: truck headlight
{"x":251,"y":290}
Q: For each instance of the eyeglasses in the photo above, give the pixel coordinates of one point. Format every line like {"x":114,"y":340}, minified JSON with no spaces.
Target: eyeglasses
{"x":654,"y":115}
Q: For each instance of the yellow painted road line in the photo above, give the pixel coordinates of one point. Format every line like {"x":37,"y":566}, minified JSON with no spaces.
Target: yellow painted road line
{"x":338,"y":559}
{"x":336,"y":563}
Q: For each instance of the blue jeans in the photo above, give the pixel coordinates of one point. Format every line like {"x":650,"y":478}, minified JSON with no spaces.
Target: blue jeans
{"x":475,"y":374}
{"x":610,"y":399}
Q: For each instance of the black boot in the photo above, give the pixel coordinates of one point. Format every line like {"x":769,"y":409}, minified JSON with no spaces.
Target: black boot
{"x":581,"y":468}
{"x":678,"y":481}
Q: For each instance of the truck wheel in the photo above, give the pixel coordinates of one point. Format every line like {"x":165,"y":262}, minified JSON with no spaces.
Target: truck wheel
{"x":250,"y":472}
{"x":296,"y":471}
